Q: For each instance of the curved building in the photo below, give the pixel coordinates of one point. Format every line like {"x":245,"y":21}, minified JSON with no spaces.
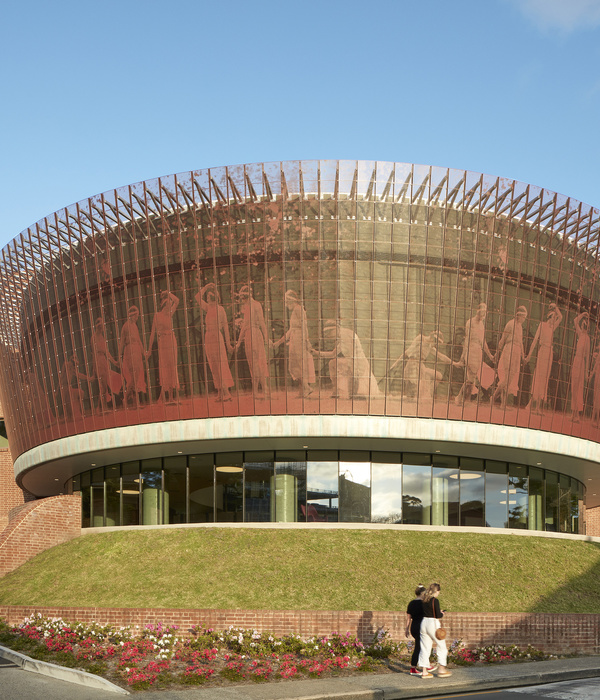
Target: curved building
{"x":322,"y":341}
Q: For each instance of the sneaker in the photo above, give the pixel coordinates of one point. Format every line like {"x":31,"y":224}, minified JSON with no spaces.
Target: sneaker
{"x":415,"y":672}
{"x":431,"y":669}
{"x":444,"y":674}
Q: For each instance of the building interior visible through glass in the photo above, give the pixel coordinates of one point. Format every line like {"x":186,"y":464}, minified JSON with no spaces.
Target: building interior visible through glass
{"x":319,"y":287}
{"x":328,"y":487}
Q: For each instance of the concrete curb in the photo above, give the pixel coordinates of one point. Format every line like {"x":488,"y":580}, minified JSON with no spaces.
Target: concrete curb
{"x":70,"y":675}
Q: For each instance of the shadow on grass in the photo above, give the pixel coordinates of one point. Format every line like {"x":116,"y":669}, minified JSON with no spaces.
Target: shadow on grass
{"x":548,"y":630}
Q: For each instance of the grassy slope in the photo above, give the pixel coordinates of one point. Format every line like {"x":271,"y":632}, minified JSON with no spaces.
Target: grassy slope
{"x":304,"y":569}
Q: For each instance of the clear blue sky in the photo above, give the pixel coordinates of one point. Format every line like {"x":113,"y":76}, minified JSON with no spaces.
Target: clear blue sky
{"x":97,"y":94}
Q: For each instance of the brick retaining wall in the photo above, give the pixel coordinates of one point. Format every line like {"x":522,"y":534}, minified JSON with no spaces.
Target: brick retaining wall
{"x":37,"y":526}
{"x":592,"y":521}
{"x":11,"y":495}
{"x":552,"y":633}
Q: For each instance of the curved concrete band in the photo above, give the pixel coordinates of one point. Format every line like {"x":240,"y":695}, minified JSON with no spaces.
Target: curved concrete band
{"x":68,"y":456}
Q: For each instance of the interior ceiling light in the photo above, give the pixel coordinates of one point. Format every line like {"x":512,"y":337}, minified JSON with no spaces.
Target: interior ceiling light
{"x":465,"y":476}
{"x":230,"y":470}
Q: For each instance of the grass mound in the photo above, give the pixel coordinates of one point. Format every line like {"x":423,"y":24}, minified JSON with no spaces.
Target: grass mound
{"x":304,"y":569}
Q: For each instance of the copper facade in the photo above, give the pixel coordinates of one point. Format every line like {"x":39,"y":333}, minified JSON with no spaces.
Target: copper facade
{"x":304,"y":287}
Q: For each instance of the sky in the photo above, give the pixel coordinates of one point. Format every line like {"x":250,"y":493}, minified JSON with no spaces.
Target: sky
{"x":95,"y":95}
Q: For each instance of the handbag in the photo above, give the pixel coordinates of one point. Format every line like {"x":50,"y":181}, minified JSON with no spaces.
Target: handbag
{"x":440,"y":632}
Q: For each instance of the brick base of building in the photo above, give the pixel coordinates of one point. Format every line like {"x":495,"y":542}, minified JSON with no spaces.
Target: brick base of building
{"x":592,"y":521}
{"x":11,"y":496}
{"x":551,"y":633}
{"x":36,"y":526}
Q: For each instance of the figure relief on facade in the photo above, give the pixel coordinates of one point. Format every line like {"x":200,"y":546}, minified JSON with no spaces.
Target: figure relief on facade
{"x":253,"y":337}
{"x":110,"y":382}
{"x":301,"y":365}
{"x":419,"y":378}
{"x":217,"y":341}
{"x":478,"y":374}
{"x":164,"y":334}
{"x":349,"y":369}
{"x":543,"y":340}
{"x":511,"y":356}
{"x":133,"y":359}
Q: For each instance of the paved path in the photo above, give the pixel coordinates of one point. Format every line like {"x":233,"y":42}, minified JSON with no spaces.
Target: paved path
{"x":17,"y":684}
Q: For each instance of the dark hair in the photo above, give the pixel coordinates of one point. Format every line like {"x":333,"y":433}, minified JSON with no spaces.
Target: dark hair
{"x":433,"y":588}
{"x":419,"y":589}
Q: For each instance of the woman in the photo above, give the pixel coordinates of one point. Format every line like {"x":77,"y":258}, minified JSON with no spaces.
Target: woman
{"x":414,"y":615}
{"x":131,"y":352}
{"x":300,"y":360}
{"x":430,"y":623}
{"x":109,"y":382}
{"x":253,"y":333}
{"x":580,"y":365}
{"x":217,"y":342}
{"x":543,"y":366}
{"x":72,"y":393}
{"x":162,"y":329}
{"x":512,"y":356}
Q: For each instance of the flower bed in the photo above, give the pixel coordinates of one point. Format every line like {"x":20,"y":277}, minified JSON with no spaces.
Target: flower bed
{"x":159,"y":656}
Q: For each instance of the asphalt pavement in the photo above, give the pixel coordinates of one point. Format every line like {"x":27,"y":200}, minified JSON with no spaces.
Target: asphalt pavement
{"x":19,"y":684}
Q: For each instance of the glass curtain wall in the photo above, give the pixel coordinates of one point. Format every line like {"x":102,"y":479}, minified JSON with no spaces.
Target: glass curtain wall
{"x":327,"y":486}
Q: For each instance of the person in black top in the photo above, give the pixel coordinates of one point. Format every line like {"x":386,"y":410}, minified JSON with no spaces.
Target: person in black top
{"x":430,"y":623}
{"x":414,"y":615}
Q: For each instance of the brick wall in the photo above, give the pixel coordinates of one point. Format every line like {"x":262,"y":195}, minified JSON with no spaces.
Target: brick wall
{"x":553,"y":633}
{"x":592,"y":521}
{"x":37,"y":526}
{"x":11,"y":495}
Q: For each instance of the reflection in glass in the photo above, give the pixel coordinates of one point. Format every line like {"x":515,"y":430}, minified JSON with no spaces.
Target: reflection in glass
{"x":496,"y":494}
{"x":536,"y":498}
{"x":416,"y":493}
{"x":386,"y":493}
{"x":258,"y":475}
{"x":472,"y":491}
{"x":97,"y":498}
{"x":355,"y":491}
{"x":445,"y":490}
{"x":518,"y":502}
{"x":85,"y":499}
{"x":202,"y":491}
{"x":229,"y":493}
{"x":113,"y":495}
{"x":288,"y":490}
{"x":322,"y":487}
{"x":445,"y":497}
{"x":130,"y":493}
{"x":313,"y":486}
{"x":564,"y":503}
{"x":152,"y":494}
{"x":552,"y":502}
{"x":175,"y":490}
